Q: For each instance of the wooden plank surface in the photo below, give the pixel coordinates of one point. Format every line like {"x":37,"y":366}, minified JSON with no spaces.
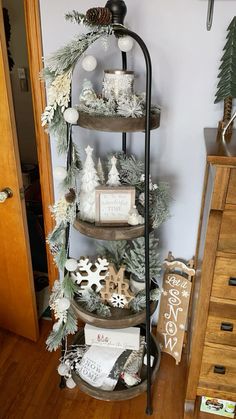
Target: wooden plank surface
{"x":29,"y":387}
{"x":217,"y":152}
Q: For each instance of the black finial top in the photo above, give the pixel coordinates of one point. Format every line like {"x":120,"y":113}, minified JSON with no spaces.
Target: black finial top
{"x":118,"y":9}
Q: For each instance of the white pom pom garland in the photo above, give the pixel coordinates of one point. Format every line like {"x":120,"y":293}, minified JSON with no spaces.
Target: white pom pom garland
{"x":63,"y":304}
{"x":60,"y":173}
{"x":71,"y":115}
{"x":125,"y":43}
{"x":71,"y":265}
{"x":63,"y":369}
{"x":89,"y":63}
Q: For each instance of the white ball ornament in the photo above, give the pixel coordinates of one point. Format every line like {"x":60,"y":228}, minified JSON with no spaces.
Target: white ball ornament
{"x":89,"y":63}
{"x":71,"y":265}
{"x":63,"y":304}
{"x":60,"y":173}
{"x":71,"y":115}
{"x":125,"y":43}
{"x":70,"y":383}
{"x":63,"y":369}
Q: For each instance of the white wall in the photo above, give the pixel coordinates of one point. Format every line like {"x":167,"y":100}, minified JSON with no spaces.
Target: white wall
{"x":22,"y":99}
{"x":185,"y":60}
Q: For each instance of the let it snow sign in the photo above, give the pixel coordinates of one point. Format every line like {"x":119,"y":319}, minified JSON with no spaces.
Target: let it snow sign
{"x":177,"y":284}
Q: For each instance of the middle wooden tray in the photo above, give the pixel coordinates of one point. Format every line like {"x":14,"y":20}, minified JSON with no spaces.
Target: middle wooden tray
{"x":120,"y":318}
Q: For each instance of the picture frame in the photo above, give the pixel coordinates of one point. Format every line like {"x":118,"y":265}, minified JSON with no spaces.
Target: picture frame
{"x":112,"y":205}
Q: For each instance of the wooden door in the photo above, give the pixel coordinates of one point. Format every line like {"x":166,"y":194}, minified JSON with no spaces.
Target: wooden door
{"x":17,"y":297}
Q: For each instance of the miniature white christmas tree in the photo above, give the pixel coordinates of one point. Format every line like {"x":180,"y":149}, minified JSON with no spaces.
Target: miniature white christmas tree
{"x":89,"y":181}
{"x":113,"y":175}
{"x":100,"y":172}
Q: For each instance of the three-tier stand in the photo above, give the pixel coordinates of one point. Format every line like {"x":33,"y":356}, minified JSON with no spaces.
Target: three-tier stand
{"x":124,"y":125}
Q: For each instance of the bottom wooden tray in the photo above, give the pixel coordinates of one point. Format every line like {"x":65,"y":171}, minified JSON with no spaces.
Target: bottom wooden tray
{"x":120,"y":392}
{"x":120,"y":317}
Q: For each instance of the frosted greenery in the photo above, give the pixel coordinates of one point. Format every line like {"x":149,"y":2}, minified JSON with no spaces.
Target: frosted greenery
{"x":134,"y":258}
{"x":113,"y":251}
{"x":139,"y":302}
{"x":131,"y":172}
{"x":91,"y":301}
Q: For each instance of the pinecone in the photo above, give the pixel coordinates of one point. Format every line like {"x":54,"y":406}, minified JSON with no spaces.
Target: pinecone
{"x":70,"y":196}
{"x":99,"y":16}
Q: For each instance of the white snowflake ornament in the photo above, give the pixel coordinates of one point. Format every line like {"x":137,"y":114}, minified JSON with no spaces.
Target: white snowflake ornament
{"x":118,"y":300}
{"x":96,"y":273}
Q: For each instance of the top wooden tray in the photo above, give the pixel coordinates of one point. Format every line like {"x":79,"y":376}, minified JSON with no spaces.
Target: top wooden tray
{"x":118,"y":123}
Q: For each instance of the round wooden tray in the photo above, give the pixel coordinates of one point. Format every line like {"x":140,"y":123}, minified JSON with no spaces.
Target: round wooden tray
{"x":118,"y":123}
{"x":109,"y":233}
{"x":120,"y":392}
{"x":120,"y":318}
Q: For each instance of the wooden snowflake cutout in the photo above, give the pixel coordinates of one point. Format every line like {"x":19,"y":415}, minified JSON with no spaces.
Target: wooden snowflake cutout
{"x":118,"y":301}
{"x":91,"y":275}
{"x":116,"y":284}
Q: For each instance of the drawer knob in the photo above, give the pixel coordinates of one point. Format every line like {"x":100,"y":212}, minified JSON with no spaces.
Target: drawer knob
{"x":219,"y":369}
{"x":227,"y":327}
{"x":232,"y":281}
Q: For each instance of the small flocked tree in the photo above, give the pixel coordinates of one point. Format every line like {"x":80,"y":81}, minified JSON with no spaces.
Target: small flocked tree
{"x":113,"y":175}
{"x":89,"y":181}
{"x":227,"y":75}
{"x":100,"y":172}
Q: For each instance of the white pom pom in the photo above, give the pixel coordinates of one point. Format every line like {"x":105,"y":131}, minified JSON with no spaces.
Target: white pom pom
{"x":125,"y":43}
{"x":63,"y":304}
{"x":63,"y":369}
{"x":71,"y":265}
{"x":71,"y":115}
{"x":60,"y":173}
{"x":89,"y":63}
{"x":70,"y":383}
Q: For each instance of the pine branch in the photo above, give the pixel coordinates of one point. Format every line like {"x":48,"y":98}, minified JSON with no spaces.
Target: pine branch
{"x":69,"y":287}
{"x":113,"y":251}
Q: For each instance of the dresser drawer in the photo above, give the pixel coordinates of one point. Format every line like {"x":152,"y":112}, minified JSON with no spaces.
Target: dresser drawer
{"x":231,"y":195}
{"x":224,"y":280}
{"x":227,"y":238}
{"x":218,"y":367}
{"x":221,"y":323}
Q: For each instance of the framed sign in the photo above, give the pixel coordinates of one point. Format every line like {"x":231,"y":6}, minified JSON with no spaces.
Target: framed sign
{"x":113,"y":204}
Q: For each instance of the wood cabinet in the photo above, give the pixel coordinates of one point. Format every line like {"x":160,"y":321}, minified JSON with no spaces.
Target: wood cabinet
{"x":212,"y":349}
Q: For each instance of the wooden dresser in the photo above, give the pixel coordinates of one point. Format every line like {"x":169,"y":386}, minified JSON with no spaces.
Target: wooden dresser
{"x":212,"y":356}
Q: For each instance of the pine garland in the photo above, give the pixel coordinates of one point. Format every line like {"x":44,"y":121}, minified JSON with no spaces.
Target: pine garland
{"x":113,"y":251}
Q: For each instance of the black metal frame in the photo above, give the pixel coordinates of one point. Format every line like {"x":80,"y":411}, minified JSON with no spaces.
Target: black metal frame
{"x":120,"y":30}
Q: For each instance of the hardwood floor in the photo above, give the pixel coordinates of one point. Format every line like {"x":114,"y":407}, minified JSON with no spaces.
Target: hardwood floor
{"x":29,"y":387}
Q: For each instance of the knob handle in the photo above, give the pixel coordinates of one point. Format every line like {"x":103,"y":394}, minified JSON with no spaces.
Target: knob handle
{"x":5,"y":194}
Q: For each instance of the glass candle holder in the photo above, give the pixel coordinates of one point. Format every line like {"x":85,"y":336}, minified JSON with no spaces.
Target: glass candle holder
{"x":117,"y":83}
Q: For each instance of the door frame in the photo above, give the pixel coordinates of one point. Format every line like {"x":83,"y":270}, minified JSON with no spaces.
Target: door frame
{"x":35,"y":55}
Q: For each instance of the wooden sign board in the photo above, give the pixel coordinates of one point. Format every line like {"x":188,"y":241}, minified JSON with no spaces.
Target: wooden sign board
{"x":174,"y":307}
{"x":113,"y":204}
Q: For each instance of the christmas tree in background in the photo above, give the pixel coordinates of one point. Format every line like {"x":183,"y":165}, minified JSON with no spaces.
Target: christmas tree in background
{"x":89,"y":181}
{"x":100,"y":172}
{"x":113,"y":175}
{"x":227,"y":83}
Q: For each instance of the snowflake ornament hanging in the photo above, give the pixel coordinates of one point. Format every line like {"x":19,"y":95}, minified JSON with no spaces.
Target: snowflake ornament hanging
{"x":91,"y":275}
{"x":118,"y":300}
